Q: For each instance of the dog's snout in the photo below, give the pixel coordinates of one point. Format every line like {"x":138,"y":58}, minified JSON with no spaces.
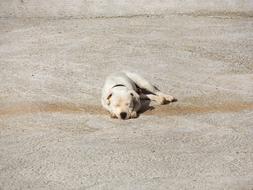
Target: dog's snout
{"x":123,"y":115}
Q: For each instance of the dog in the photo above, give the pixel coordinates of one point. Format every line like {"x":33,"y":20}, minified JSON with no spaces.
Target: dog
{"x":123,"y":91}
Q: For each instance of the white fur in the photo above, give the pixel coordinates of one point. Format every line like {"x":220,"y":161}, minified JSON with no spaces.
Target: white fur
{"x":125,"y":98}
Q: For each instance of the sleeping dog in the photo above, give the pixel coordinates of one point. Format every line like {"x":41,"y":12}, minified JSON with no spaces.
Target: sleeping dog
{"x":122,"y":94}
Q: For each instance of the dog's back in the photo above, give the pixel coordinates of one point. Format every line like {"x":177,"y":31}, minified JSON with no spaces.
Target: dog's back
{"x":116,"y":79}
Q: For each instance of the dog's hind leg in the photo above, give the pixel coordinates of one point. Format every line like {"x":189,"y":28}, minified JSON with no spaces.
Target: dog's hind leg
{"x":142,"y":82}
{"x":146,"y":85}
{"x":152,"y":97}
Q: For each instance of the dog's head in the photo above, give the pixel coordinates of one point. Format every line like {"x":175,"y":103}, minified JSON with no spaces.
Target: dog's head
{"x":123,"y":102}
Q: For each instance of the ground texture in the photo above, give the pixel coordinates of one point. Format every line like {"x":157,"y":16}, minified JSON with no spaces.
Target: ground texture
{"x":55,"y":135}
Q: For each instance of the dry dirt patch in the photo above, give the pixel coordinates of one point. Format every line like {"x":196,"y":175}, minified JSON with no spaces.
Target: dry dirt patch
{"x":163,"y":110}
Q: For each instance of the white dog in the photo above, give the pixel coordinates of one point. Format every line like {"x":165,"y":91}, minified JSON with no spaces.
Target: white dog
{"x":121,"y":94}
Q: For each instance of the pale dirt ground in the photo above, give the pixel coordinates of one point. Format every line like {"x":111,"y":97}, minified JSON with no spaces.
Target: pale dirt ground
{"x":55,"y":135}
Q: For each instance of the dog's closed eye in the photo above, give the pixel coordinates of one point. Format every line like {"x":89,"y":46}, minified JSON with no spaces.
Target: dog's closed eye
{"x":108,"y":99}
{"x":109,"y":96}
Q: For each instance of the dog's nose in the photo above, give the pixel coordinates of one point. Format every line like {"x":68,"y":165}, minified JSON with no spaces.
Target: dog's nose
{"x":123,"y":115}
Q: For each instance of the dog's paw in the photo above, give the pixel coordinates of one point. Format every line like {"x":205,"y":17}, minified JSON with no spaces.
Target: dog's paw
{"x":134,"y":114}
{"x":169,"y":98}
{"x":113,"y":116}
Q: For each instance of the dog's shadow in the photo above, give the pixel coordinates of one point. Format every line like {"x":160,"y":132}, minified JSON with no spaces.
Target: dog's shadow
{"x":146,"y":103}
{"x":146,"y":106}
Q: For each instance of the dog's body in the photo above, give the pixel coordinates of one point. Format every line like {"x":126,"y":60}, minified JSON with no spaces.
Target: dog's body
{"x":121,"y":94}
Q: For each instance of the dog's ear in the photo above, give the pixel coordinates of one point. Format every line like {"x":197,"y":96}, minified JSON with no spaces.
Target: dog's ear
{"x":108,"y":98}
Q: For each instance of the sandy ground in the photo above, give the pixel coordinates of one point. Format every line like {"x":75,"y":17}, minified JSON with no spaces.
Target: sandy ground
{"x":55,"y":135}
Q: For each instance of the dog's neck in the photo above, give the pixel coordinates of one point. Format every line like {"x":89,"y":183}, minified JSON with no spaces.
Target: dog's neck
{"x":117,"y":85}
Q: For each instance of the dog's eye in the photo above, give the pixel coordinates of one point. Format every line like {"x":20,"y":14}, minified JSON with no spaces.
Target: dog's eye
{"x":127,"y":104}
